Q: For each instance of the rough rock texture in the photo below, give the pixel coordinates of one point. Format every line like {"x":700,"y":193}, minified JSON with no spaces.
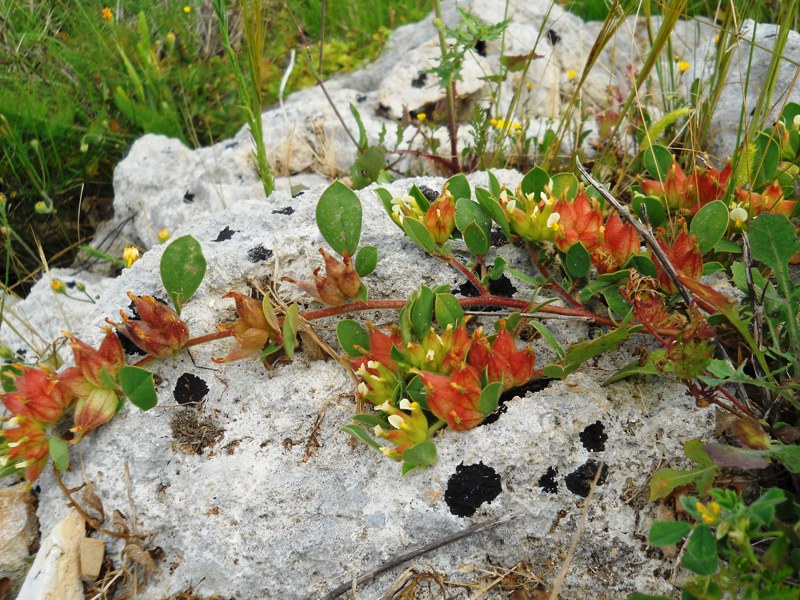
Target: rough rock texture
{"x":56,"y":572}
{"x":259,"y":480}
{"x":20,"y":533}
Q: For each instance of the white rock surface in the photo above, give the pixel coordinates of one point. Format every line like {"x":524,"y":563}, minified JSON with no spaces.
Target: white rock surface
{"x":293,"y":514}
{"x":56,"y":572}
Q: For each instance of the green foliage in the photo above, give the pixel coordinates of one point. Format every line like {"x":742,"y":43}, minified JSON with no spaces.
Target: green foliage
{"x":338,"y":217}
{"x":720,"y":549}
{"x":138,"y":385}
{"x":183,"y":267}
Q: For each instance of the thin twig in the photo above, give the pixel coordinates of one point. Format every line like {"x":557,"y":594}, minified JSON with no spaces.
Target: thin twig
{"x":562,"y":573}
{"x":398,"y":560}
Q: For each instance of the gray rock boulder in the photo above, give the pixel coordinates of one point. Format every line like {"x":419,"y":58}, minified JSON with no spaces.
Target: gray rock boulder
{"x":256,"y":492}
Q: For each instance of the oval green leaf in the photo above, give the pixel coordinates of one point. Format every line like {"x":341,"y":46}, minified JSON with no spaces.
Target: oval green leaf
{"x":657,"y":160}
{"x":490,"y":396}
{"x":468,"y":211}
{"x":448,"y":310}
{"x":459,"y":187}
{"x":565,"y":186}
{"x":535,"y":181}
{"x":183,"y":267}
{"x":767,"y":157}
{"x":709,"y":225}
{"x":476,"y":240}
{"x":385,"y":196}
{"x":666,"y":533}
{"x":338,"y":218}
{"x":366,"y":260}
{"x":578,"y":261}
{"x":422,"y":312}
{"x":701,"y":552}
{"x":59,"y":452}
{"x":419,"y":234}
{"x":290,"y":324}
{"x":643,"y":265}
{"x":137,"y":384}
{"x":358,"y":432}
{"x":419,"y":455}
{"x":656,"y":212}
{"x":353,"y":338}
{"x":489,"y":203}
{"x":494,"y":184}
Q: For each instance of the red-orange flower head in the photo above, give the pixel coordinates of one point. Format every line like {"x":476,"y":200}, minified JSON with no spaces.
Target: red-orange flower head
{"x":672,"y":190}
{"x":252,"y":329}
{"x":704,"y":186}
{"x":439,"y":353}
{"x":580,"y":221}
{"x":25,"y":446}
{"x":377,"y":370}
{"x":502,"y":359}
{"x":159,"y":330}
{"x":38,"y":395}
{"x":93,"y":380}
{"x":440,"y":218}
{"x":455,"y":399}
{"x":685,"y":256}
{"x":771,"y":200}
{"x":620,"y":242}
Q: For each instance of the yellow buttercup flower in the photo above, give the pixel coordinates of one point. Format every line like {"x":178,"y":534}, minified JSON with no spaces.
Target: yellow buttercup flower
{"x":571,"y":74}
{"x":130,"y":255}
{"x":421,"y":117}
{"x":683,"y":66}
{"x":163,"y":235}
{"x":529,"y":86}
{"x":187,"y":9}
{"x":58,"y":286}
{"x":107,"y":14}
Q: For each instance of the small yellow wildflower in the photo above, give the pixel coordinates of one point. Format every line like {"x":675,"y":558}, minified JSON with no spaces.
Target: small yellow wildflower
{"x":501,"y":123}
{"x":710,"y":513}
{"x":58,"y":286}
{"x":716,"y":39}
{"x":187,"y":9}
{"x":683,"y":66}
{"x":130,"y":255}
{"x":571,"y":74}
{"x":107,"y":14}
{"x":163,"y":235}
{"x":552,"y":221}
{"x":421,"y":117}
{"x":493,"y":122}
{"x":529,"y":85}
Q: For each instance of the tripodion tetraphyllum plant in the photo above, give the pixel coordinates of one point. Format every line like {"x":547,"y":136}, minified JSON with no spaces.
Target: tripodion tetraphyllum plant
{"x":633,"y":269}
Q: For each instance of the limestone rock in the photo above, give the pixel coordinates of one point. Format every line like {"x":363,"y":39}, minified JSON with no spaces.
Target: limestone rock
{"x":56,"y":573}
{"x":253,"y":487}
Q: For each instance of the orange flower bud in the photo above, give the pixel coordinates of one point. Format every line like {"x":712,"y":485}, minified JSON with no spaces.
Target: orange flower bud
{"x":27,"y":447}
{"x":684,"y":254}
{"x":440,"y":219}
{"x":620,"y":242}
{"x":159,"y":330}
{"x":580,"y":221}
{"x":93,"y":410}
{"x":39,"y":395}
{"x":455,"y":398}
{"x":252,"y":329}
{"x":87,"y":373}
{"x":502,"y":359}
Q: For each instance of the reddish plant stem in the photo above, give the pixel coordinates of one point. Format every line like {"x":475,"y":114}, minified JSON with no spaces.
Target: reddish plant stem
{"x":733,"y":399}
{"x":552,"y":284}
{"x":469,"y":275}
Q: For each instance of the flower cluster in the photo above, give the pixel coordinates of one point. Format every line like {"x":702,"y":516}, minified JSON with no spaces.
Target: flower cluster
{"x":533,"y":219}
{"x":444,"y":378}
{"x":688,"y":194}
{"x":340,"y":282}
{"x":39,"y":398}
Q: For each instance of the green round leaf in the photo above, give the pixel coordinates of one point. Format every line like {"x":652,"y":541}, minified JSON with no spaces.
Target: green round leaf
{"x":448,"y":311}
{"x":666,"y":533}
{"x":565,"y":186}
{"x":183,"y":267}
{"x":701,"y":552}
{"x":385,"y":197}
{"x":490,"y":396}
{"x":657,"y":160}
{"x":766,"y":159}
{"x":419,"y":455}
{"x":535,"y":181}
{"x":352,"y":336}
{"x":338,"y":217}
{"x":492,"y":207}
{"x":366,"y":260}
{"x":137,"y":384}
{"x":419,"y":234}
{"x":422,"y":312}
{"x":476,"y":240}
{"x":468,"y":211}
{"x":578,"y":261}
{"x":709,"y":225}
{"x":422,"y":200}
{"x":643,"y":265}
{"x":656,"y":213}
{"x":459,"y":187}
{"x":59,"y":452}
{"x":494,"y":184}
{"x":290,"y":324}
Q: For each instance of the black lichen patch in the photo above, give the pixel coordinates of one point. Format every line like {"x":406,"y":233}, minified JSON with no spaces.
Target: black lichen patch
{"x":502,"y":286}
{"x":194,"y":432}
{"x":190,"y":389}
{"x":258,"y":253}
{"x":594,"y":437}
{"x":553,"y":37}
{"x":287,"y":210}
{"x":467,"y":290}
{"x":480,"y":47}
{"x":536,"y":385}
{"x":225,"y":234}
{"x":128,"y":346}
{"x":360,"y":98}
{"x":419,"y":81}
{"x":469,"y":487}
{"x":548,"y":481}
{"x":579,"y":482}
{"x":430,"y":195}
{"x":188,"y":197}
